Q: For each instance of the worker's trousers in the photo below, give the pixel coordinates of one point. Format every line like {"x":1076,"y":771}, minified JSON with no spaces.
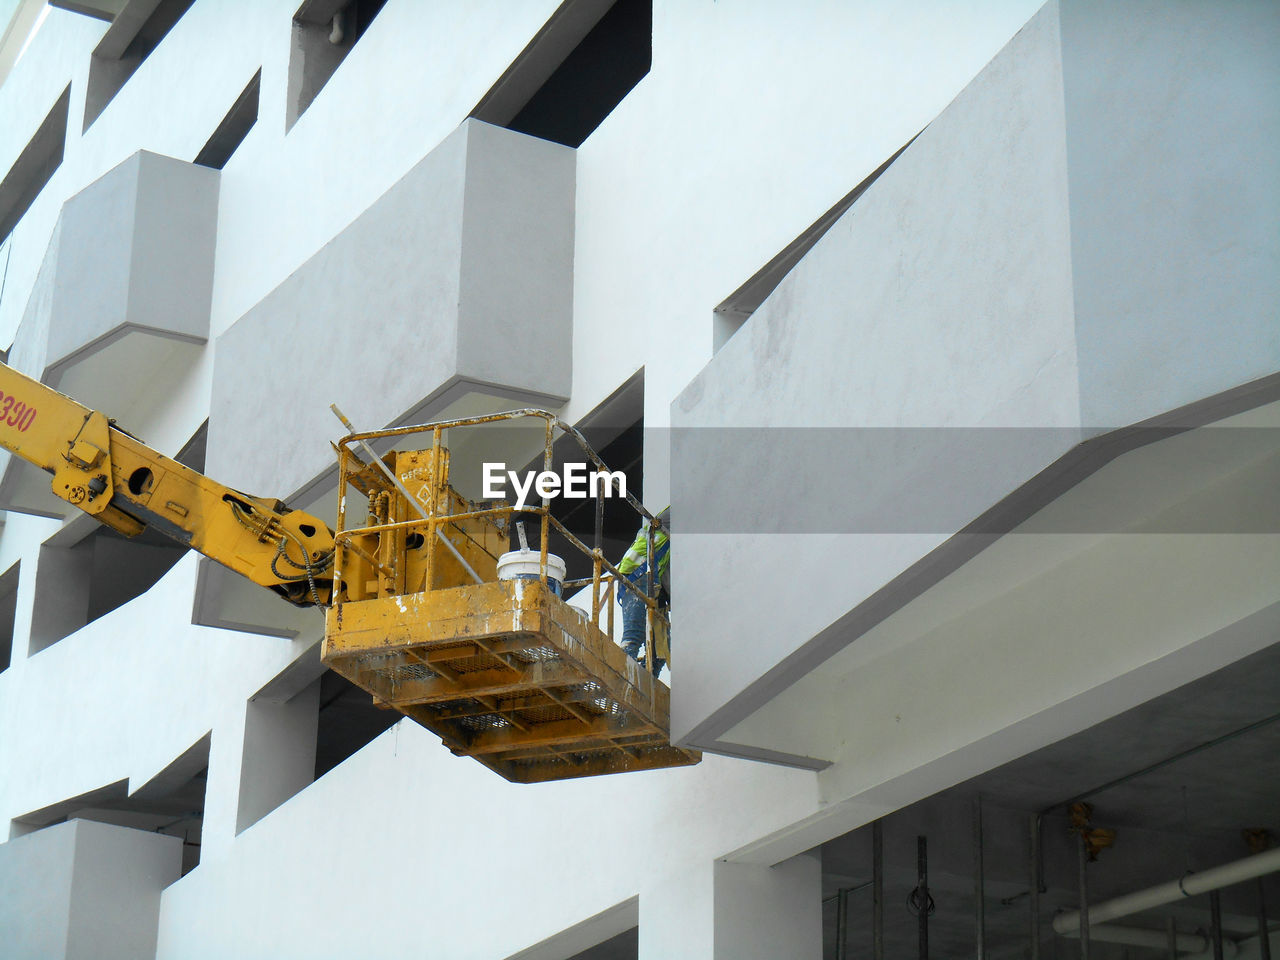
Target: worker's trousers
{"x":634,"y":621}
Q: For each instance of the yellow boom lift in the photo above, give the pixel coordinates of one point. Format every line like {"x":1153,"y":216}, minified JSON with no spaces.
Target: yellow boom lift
{"x":503,"y":670}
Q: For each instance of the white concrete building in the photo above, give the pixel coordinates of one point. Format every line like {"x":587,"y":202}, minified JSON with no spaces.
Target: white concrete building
{"x":949,"y":331}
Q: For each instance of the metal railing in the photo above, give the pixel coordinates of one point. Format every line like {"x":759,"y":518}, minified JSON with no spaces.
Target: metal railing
{"x":435,"y":519}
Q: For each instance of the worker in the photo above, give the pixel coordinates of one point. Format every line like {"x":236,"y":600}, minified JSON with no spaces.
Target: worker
{"x":634,"y":567}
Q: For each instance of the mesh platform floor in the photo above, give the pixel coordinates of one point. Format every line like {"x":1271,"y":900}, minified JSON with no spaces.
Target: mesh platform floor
{"x":508,"y":673}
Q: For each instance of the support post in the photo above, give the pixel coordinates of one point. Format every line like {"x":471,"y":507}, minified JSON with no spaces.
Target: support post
{"x":1215,"y":913}
{"x":877,"y":900}
{"x":979,"y":884}
{"x":1082,"y":849}
{"x":1033,"y":868}
{"x":599,"y":532}
{"x":1264,"y":935}
{"x":842,"y":924}
{"x":1171,"y":927}
{"x":922,"y":892}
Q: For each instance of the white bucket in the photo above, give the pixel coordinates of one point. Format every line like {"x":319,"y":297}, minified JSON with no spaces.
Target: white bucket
{"x":526,"y":565}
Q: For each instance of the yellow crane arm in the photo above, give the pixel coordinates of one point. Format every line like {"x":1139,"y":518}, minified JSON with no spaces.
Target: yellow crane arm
{"x":126,"y":485}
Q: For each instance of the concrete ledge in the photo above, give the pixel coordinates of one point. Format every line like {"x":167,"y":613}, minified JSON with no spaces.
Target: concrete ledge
{"x":125,"y":284}
{"x":82,"y":889}
{"x":462,"y":273}
{"x":1089,"y":262}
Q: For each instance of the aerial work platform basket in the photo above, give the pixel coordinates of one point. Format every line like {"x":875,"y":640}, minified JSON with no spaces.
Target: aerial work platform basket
{"x":503,"y":670}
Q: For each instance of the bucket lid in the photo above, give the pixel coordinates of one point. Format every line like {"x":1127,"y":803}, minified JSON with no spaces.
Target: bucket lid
{"x":555,"y":565}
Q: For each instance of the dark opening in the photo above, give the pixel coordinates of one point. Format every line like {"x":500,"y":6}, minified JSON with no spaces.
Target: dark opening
{"x":348,"y":721}
{"x":625,"y":946}
{"x":324,"y":32}
{"x":171,"y":802}
{"x":235,"y":126}
{"x":1186,"y":780}
{"x":590,"y":80}
{"x":139,"y":480}
{"x":77,"y":584}
{"x":8,"y":612}
{"x":615,"y":430}
{"x":125,"y":568}
{"x":193,"y":451}
{"x":122,"y":50}
{"x":34,"y":166}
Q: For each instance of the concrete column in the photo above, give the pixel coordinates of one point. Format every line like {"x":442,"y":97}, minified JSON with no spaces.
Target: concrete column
{"x":279,"y":752}
{"x":115,"y":890}
{"x":735,"y":911}
{"x":677,"y":915}
{"x":766,"y":912}
{"x":84,"y":891}
{"x":222,"y":788}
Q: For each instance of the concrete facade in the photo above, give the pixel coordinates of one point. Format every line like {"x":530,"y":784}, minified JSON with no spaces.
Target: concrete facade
{"x":458,"y":279}
{"x":993,"y":462}
{"x":85,"y":889}
{"x":128,"y":272}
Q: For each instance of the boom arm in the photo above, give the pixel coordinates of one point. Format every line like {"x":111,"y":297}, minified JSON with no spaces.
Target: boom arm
{"x":126,"y":485}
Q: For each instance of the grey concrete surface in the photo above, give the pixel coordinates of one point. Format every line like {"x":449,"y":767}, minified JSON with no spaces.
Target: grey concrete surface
{"x":1102,"y":253}
{"x":22,"y":488}
{"x":35,"y":892}
{"x":942,"y":298}
{"x":131,"y":256}
{"x":1172,"y":155}
{"x":139,"y":245}
{"x":83,"y":890}
{"x":279,"y":752}
{"x":462,"y":273}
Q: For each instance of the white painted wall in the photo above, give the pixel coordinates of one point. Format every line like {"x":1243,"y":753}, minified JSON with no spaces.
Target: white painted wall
{"x":749,"y":126}
{"x":1173,"y":206}
{"x":752,"y":123}
{"x":470,"y":865}
{"x":125,"y":695}
{"x":940,"y":303}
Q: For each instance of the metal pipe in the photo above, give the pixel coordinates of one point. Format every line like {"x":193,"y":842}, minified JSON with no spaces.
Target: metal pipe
{"x":650,"y":653}
{"x":544,"y":532}
{"x":835,"y":896}
{"x":1082,"y":925}
{"x":877,"y":900}
{"x":1033,"y":867}
{"x":1151,"y":768}
{"x":922,"y":891}
{"x":1215,"y":913}
{"x":599,"y":540}
{"x":404,"y":492}
{"x":979,"y":884}
{"x":1256,"y":865}
{"x":565,"y":428}
{"x":1172,"y":942}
